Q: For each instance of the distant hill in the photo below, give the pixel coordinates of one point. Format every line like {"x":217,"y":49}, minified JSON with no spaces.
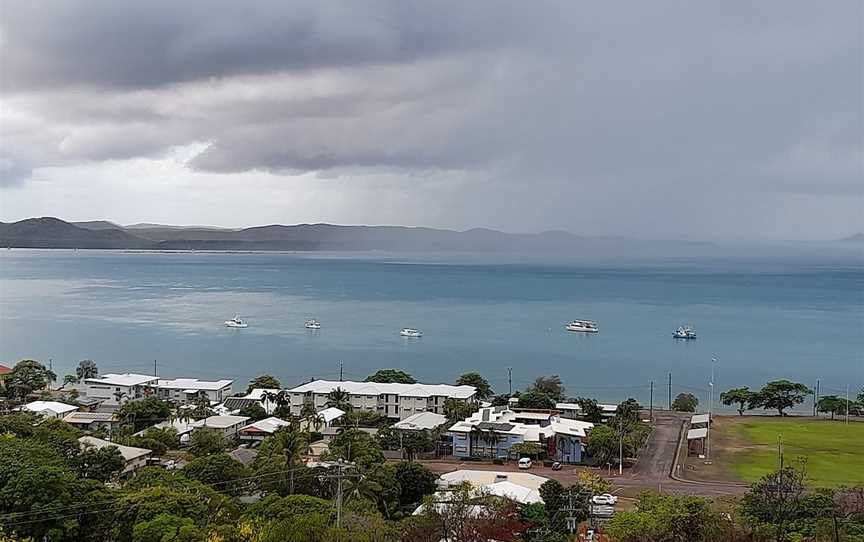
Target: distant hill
{"x":151,"y":226}
{"x":48,"y":232}
{"x":98,"y":225}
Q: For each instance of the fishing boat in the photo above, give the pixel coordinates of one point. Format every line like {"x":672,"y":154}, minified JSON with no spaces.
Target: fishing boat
{"x":585,"y":326}
{"x":236,"y":322}
{"x":684,"y":332}
{"x":410,"y":332}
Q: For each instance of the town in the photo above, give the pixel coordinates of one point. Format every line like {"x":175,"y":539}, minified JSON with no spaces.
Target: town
{"x":389,"y":458}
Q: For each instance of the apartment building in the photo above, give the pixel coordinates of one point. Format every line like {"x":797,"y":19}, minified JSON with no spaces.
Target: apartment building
{"x":189,"y":390}
{"x":397,"y":401}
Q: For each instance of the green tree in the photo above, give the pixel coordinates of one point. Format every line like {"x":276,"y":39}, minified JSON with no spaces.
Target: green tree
{"x":292,"y":444}
{"x":69,"y":379}
{"x":526,"y":449}
{"x":144,"y":412}
{"x":339,"y":398}
{"x":217,"y":470}
{"x":603,"y":445}
{"x":354,"y":445}
{"x":458,"y":409}
{"x":666,"y":517}
{"x":290,"y":508}
{"x":100,"y":464}
{"x":167,"y":436}
{"x":86,"y":369}
{"x":362,"y":418}
{"x":253,"y":411}
{"x":833,"y":405}
{"x":557,"y":498}
{"x":550,"y":386}
{"x":207,"y":441}
{"x":776,"y":499}
{"x":267,"y":382}
{"x":627,"y":413}
{"x":484,"y":390}
{"x":27,"y":376}
{"x":167,"y":528}
{"x":536,"y":399}
{"x":384,"y":376}
{"x":685,"y":402}
{"x":782,"y":394}
{"x":415,"y":482}
{"x":591,"y":411}
{"x":415,"y":442}
{"x":742,"y":397}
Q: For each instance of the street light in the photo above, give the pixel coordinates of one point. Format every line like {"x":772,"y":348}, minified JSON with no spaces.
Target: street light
{"x":710,"y":409}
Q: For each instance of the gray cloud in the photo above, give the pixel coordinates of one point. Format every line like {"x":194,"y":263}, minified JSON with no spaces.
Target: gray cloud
{"x":628,"y":101}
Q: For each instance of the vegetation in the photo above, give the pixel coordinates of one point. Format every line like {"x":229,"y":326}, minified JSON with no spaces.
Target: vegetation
{"x":26,"y":377}
{"x":266,"y":382}
{"x":837,"y":405}
{"x":253,"y":411}
{"x":207,"y":441}
{"x":384,"y":376}
{"x":550,"y":386}
{"x":685,"y":402}
{"x":143,"y":413}
{"x":339,"y":398}
{"x":781,"y":395}
{"x":742,"y":397}
{"x":536,"y":399}
{"x":86,"y":369}
{"x":484,"y":390}
{"x":591,"y":411}
{"x":457,"y":409}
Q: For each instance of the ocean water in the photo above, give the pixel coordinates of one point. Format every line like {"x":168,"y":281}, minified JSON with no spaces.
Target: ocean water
{"x":125,"y":310}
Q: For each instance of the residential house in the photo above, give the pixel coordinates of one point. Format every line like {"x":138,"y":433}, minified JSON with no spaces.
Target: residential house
{"x":258,"y":396}
{"x":522,"y":487}
{"x":262,"y":428}
{"x":228,"y":425}
{"x":50,"y":409}
{"x":491,"y":432}
{"x":421,"y":421}
{"x":93,"y":421}
{"x":190,"y":390}
{"x":134,"y":458}
{"x":573,"y":410}
{"x":114,"y":389}
{"x":396,"y":401}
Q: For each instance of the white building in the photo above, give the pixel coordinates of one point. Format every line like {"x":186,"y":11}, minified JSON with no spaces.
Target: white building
{"x":189,"y":390}
{"x":258,"y":396}
{"x":262,"y":428}
{"x":114,"y":389}
{"x":491,"y":432}
{"x":228,"y":425}
{"x":573,"y":410}
{"x":50,"y":409}
{"x":135,"y":458}
{"x":421,"y":421}
{"x":393,"y":400}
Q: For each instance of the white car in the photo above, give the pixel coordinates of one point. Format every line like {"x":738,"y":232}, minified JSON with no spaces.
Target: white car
{"x":525,"y":463}
{"x":605,"y":498}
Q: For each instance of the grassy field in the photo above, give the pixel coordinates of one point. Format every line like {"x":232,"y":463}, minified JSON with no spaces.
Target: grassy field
{"x":745,"y":448}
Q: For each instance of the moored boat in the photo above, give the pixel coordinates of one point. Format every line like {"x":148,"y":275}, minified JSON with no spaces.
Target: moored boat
{"x":312,"y":324}
{"x":684,"y":332}
{"x":410,"y":332}
{"x":236,"y":322}
{"x":585,"y":326}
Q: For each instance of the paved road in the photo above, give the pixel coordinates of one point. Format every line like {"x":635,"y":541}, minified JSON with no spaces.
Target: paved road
{"x":655,"y":460}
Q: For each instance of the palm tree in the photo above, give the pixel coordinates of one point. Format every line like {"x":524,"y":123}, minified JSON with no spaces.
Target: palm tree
{"x":293,"y":443}
{"x":86,"y":369}
{"x":339,"y":398}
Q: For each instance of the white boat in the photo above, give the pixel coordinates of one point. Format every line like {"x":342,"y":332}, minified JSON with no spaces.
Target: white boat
{"x":312,"y":324}
{"x":236,"y":322}
{"x":684,"y":332}
{"x":585,"y":326}
{"x":410,"y":332}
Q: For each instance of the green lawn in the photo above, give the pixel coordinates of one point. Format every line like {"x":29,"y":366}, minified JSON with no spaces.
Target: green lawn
{"x":834,"y":450}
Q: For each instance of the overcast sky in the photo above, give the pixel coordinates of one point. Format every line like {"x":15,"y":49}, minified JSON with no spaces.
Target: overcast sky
{"x":653,"y":119}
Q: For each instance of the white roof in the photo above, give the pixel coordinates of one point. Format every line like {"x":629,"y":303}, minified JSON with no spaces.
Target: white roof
{"x":699,"y":418}
{"x":53,"y":406}
{"x":125,"y":379}
{"x":697,"y":433}
{"x":375,"y":388}
{"x":420,"y":421}
{"x":128,"y":452}
{"x":258,"y":393}
{"x":193,"y":385}
{"x":89,"y":417}
{"x":181,"y":426}
{"x":529,"y":432}
{"x":267,"y":425}
{"x":532,"y":415}
{"x":605,"y":407}
{"x":330,"y":414}
{"x":514,"y":492}
{"x":481,"y":478}
{"x":220,"y":422}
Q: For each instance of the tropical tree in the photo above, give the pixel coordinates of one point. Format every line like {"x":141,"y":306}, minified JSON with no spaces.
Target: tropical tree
{"x":550,"y":386}
{"x":144,"y":412}
{"x":776,"y":499}
{"x":356,"y":446}
{"x":98,"y":463}
{"x":253,"y":411}
{"x":69,"y":379}
{"x":414,"y":442}
{"x":267,"y":382}
{"x":834,"y":405}
{"x":27,"y":376}
{"x":339,"y":398}
{"x":385,"y":376}
{"x":484,"y":390}
{"x":415,"y":482}
{"x":685,"y":402}
{"x":781,"y":394}
{"x":627,"y":413}
{"x":458,"y":409}
{"x":742,"y":397}
{"x":591,"y":411}
{"x":292,"y":443}
{"x":218,"y":470}
{"x":536,"y":399}
{"x":207,"y":441}
{"x":86,"y":369}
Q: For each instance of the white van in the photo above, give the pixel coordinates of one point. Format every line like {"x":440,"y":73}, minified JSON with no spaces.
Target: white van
{"x":525,"y":463}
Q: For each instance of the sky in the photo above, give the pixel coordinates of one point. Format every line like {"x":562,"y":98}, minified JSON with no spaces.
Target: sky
{"x":663,"y":119}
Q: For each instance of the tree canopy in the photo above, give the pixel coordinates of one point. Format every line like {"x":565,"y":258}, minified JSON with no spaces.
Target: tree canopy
{"x":145,"y":412}
{"x":781,"y":395}
{"x":207,"y":441}
{"x":27,"y":376}
{"x":536,"y":399}
{"x":267,"y":382}
{"x":484,"y":390}
{"x":685,"y":402}
{"x":385,"y":376}
{"x":86,"y":369}
{"x":591,"y":411}
{"x":742,"y":397}
{"x":551,"y":386}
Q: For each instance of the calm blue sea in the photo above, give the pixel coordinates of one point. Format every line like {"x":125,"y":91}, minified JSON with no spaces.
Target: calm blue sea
{"x":804,"y":322}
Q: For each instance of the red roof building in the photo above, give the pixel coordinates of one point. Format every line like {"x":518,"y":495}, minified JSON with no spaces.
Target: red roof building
{"x":4,"y":370}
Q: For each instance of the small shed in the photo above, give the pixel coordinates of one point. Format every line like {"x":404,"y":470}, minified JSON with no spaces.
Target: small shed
{"x":699,"y":420}
{"x":696,"y":441}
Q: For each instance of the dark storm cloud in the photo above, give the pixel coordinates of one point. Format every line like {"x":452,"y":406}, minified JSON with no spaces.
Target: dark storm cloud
{"x":623,"y":99}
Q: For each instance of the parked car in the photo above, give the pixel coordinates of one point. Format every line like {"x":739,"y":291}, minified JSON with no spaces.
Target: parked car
{"x":525,"y":463}
{"x":605,"y":498}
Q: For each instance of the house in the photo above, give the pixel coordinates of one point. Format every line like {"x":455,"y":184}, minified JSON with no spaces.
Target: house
{"x":491,"y":432}
{"x":4,"y":370}
{"x":134,"y":458}
{"x":573,"y":410}
{"x":50,"y":409}
{"x":421,"y":421}
{"x":228,"y":425}
{"x":117,"y":388}
{"x":190,"y":390}
{"x":258,"y":395}
{"x":325,"y":419}
{"x":397,"y":401}
{"x":93,"y":421}
{"x":183,"y":428}
{"x":483,"y":478}
{"x":261,"y":429}
{"x":329,"y":433}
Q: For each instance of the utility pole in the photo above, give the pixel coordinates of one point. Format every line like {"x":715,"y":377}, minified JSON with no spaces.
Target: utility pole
{"x":510,"y":380}
{"x":340,"y":371}
{"x":816,"y":398}
{"x":846,"y":406}
{"x":339,"y":496}
{"x":670,"y":391}
{"x":154,"y":368}
{"x":620,"y":448}
{"x":651,"y":408}
{"x":710,"y":411}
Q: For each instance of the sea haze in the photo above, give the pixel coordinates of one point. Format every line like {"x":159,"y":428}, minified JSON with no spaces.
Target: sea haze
{"x":766,"y":317}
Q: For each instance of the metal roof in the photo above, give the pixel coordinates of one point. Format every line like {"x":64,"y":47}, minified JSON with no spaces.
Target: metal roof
{"x":693,"y":434}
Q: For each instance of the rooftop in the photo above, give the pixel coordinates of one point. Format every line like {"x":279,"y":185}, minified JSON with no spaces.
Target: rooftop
{"x":192,"y":385}
{"x":89,"y":417}
{"x":504,"y":421}
{"x":267,"y":425}
{"x":5,"y":370}
{"x":420,"y":421}
{"x":125,"y":379}
{"x":220,"y":422}
{"x":53,"y":406}
{"x":697,"y":433}
{"x":128,"y":452}
{"x":480,"y":478}
{"x":181,"y":426}
{"x":375,"y":388}
{"x":702,"y":418}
